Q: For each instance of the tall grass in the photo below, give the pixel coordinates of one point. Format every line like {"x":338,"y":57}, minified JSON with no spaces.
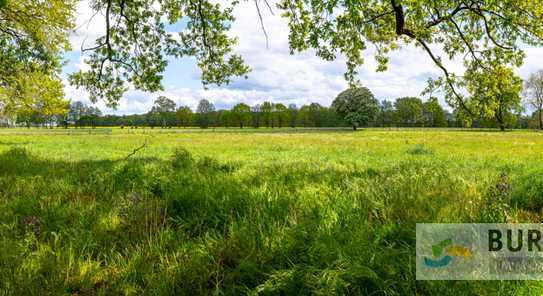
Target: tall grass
{"x":259,"y":214}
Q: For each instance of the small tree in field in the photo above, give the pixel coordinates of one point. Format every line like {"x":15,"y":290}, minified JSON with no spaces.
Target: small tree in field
{"x":241,"y":114}
{"x":533,"y":91}
{"x":357,"y":106}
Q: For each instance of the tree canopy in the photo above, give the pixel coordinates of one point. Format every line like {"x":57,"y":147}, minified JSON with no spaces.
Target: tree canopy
{"x":136,"y":45}
{"x":281,"y":115}
{"x":163,"y":105}
{"x":495,"y":93}
{"x":241,"y":114}
{"x":33,"y":35}
{"x":183,"y":115}
{"x":409,"y":111}
{"x":358,"y":106}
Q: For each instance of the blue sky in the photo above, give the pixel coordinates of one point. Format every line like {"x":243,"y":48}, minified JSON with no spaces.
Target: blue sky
{"x":276,"y":75}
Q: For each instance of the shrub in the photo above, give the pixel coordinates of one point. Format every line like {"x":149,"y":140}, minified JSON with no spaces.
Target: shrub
{"x":207,"y":163}
{"x":182,"y":158}
{"x":420,"y":149}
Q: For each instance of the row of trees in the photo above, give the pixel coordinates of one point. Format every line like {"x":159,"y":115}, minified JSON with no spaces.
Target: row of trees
{"x":164,"y":113}
{"x":358,"y":107}
{"x":355,"y":108}
{"x":494,"y":100}
{"x":491,"y":105}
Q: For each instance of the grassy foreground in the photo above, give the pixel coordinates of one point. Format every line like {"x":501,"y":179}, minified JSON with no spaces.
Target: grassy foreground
{"x":251,"y":212}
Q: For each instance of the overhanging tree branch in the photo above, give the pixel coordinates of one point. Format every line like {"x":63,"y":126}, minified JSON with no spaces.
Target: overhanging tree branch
{"x":402,"y":30}
{"x":262,"y":23}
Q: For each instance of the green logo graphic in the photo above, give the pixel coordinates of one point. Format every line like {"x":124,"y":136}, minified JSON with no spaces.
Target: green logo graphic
{"x":445,"y":251}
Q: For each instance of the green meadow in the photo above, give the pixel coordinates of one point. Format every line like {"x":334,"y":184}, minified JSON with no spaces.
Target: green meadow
{"x":251,"y":212}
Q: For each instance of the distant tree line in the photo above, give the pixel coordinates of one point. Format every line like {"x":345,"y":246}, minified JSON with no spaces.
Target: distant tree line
{"x":165,"y":114}
{"x":81,"y":115}
{"x":402,"y":112}
{"x":494,"y":105}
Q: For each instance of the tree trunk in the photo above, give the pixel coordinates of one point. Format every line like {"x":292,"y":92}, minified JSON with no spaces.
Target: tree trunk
{"x":354,"y":127}
{"x":540,"y":119}
{"x":500,"y":119}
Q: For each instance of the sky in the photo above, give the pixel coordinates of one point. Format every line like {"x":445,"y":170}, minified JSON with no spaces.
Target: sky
{"x":276,"y":75}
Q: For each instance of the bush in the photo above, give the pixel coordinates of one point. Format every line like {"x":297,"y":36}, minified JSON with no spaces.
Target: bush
{"x":420,"y":149}
{"x":208,"y":164}
{"x":182,"y":158}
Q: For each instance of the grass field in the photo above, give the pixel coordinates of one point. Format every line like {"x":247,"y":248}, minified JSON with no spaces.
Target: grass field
{"x":231,"y":212}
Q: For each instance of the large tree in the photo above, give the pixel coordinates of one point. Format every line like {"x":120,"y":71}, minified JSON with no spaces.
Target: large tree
{"x":164,"y":105}
{"x":304,"y":117}
{"x":357,"y":106}
{"x":409,"y":111}
{"x":33,"y":35}
{"x":91,"y":116}
{"x":163,"y":109}
{"x":495,"y":94}
{"x":76,"y":111}
{"x":293,"y":114}
{"x":255,"y":110}
{"x":533,"y":91}
{"x":241,"y":114}
{"x":281,"y":115}
{"x":316,"y":112}
{"x":184,"y":116}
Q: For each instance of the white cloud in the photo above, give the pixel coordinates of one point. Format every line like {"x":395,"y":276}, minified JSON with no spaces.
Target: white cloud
{"x":89,"y":26}
{"x":532,"y":63}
